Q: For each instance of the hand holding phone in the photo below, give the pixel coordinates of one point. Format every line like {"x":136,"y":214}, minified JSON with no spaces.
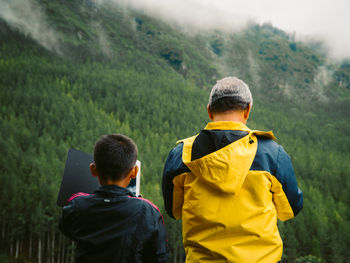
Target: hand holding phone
{"x":138,"y":179}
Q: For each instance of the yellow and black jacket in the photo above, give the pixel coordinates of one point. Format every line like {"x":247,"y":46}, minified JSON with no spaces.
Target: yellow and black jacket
{"x":229,"y":185}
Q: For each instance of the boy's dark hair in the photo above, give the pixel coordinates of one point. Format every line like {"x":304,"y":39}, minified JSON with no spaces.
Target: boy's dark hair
{"x":114,"y":155}
{"x":226,"y":104}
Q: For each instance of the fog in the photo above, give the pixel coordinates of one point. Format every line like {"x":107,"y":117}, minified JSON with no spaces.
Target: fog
{"x":324,"y":20}
{"x":28,"y":17}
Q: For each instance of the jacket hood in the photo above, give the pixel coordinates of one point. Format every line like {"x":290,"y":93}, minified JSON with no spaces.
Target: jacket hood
{"x":226,"y":164}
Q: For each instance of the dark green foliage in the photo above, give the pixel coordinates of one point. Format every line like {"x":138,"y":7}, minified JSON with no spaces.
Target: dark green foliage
{"x":293,"y":46}
{"x":343,"y":75}
{"x":308,"y":259}
{"x":217,"y":46}
{"x":3,"y":258}
{"x":120,"y":71}
{"x":173,"y":55}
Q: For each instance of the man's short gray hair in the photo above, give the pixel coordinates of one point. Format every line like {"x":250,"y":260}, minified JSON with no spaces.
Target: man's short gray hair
{"x":231,"y":87}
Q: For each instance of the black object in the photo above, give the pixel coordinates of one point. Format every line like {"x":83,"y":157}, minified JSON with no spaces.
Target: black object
{"x":77,"y":177}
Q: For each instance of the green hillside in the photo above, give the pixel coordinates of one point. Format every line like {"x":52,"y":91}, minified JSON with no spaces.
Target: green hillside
{"x":109,"y":69}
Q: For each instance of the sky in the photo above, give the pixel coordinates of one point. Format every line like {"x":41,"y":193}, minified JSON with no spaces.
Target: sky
{"x":327,"y":20}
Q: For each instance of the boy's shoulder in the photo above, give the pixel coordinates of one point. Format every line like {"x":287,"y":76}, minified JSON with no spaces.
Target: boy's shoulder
{"x":150,"y":209}
{"x":79,"y":194}
{"x":137,"y":201}
{"x":77,"y":202}
{"x":84,"y":201}
{"x":147,"y":204}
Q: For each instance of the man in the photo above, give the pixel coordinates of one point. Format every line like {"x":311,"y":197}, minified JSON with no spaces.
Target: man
{"x":112,"y":225}
{"x":229,"y":184}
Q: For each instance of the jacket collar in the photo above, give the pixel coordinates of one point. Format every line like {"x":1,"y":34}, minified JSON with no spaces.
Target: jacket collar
{"x":231,"y":125}
{"x":226,"y":125}
{"x":112,"y":190}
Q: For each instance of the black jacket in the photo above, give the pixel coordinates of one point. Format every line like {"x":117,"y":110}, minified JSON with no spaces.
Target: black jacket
{"x":113,"y":226}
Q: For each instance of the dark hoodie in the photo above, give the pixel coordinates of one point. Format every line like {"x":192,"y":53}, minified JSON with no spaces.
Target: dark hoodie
{"x":111,"y":225}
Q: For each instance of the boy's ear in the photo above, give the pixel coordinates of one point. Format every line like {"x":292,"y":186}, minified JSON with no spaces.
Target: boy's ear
{"x":133,"y":172}
{"x":93,"y":169}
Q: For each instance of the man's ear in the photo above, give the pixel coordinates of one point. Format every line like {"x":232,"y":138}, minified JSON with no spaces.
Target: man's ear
{"x":93,"y":169}
{"x":210,"y":113}
{"x":133,"y":172}
{"x":247,"y":111}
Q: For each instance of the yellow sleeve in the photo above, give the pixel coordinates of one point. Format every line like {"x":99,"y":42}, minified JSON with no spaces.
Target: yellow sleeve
{"x":178,"y":195}
{"x":284,"y":210}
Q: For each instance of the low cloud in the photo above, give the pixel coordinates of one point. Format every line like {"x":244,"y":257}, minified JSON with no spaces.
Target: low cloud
{"x":189,"y":14}
{"x":27,"y":17}
{"x":103,"y":40}
{"x":325,"y":20}
{"x":323,"y":77}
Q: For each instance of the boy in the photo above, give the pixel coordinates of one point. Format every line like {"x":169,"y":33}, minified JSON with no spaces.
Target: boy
{"x":112,"y":225}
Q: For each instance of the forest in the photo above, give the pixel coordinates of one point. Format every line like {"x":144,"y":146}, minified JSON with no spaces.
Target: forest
{"x":92,"y":68}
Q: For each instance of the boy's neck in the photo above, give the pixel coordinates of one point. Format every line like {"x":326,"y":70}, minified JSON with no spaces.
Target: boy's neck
{"x":122,"y":183}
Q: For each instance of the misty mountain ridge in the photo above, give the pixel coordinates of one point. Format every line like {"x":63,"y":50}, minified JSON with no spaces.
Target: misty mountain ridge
{"x":87,"y":29}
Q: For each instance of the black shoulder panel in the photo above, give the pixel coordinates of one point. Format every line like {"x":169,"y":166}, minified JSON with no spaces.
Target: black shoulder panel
{"x":174,"y":164}
{"x":209,"y":141}
{"x":173,"y":167}
{"x":266,"y":155}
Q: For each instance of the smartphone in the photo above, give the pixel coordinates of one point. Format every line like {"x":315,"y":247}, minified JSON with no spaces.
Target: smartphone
{"x":135,"y":184}
{"x":138,"y":179}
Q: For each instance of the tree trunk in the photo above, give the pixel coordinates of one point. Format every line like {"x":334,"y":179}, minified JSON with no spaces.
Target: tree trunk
{"x":21,"y":245}
{"x":59,"y":250}
{"x":3,"y":230}
{"x":72,"y":253}
{"x":175,"y":255}
{"x":63,"y":252}
{"x":11,"y":247}
{"x":17,"y":248}
{"x":53,"y":247}
{"x":48,"y":255}
{"x":30,"y":245}
{"x":39,"y":250}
